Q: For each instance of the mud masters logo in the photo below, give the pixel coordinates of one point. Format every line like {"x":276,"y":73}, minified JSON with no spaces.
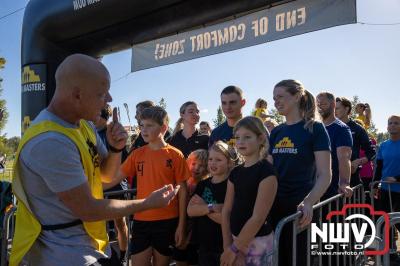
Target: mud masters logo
{"x":33,"y":78}
{"x":285,"y":145}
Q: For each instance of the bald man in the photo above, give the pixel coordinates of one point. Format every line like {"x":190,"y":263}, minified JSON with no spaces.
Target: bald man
{"x":61,"y":165}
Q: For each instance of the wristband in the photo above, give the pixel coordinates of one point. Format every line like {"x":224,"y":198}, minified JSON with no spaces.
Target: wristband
{"x":234,"y":248}
{"x":344,"y":182}
{"x":210,"y":208}
{"x":114,"y":150}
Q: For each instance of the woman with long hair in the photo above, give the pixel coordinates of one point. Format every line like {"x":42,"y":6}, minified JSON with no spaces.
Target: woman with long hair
{"x":300,"y":153}
{"x":187,"y":139}
{"x":185,"y":136}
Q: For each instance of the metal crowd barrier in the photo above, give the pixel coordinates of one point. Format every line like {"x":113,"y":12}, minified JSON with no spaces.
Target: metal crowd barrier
{"x":319,"y":210}
{"x":394,"y":218}
{"x":376,"y":201}
{"x":129,"y":194}
{"x":292,"y":220}
{"x":7,"y":232}
{"x":376,"y":186}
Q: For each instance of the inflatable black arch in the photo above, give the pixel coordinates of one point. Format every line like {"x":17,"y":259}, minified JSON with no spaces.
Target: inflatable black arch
{"x":52,"y":30}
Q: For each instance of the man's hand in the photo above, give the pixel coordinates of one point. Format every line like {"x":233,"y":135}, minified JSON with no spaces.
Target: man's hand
{"x":161,"y":197}
{"x":116,"y":133}
{"x":346,"y":190}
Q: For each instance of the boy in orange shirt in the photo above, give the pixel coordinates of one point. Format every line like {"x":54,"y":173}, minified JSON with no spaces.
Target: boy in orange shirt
{"x":156,"y":231}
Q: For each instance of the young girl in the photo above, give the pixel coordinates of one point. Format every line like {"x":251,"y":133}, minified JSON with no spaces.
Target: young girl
{"x":260,"y":110}
{"x":207,"y":204}
{"x":363,"y":112}
{"x":197,"y":163}
{"x":247,"y":233}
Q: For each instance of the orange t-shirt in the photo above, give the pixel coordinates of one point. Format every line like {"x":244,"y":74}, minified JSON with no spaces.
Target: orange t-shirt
{"x":154,"y":169}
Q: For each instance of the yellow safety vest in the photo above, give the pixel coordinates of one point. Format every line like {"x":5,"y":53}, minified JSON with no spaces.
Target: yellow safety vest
{"x":27,"y":227}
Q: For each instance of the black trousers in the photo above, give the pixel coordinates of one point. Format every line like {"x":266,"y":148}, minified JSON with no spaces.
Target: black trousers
{"x":384,"y":205}
{"x":281,"y":208}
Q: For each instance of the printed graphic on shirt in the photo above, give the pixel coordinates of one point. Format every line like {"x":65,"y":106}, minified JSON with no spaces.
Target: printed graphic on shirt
{"x":169,"y":163}
{"x":94,"y":154}
{"x":207,"y":196}
{"x":285,"y":146}
{"x":140,"y":168}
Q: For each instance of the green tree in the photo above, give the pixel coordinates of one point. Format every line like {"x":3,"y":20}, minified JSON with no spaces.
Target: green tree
{"x":381,"y":137}
{"x":12,"y":143}
{"x":276,"y":116}
{"x":3,"y":110}
{"x":162,"y":103}
{"x":220,"y":117}
{"x":4,"y":149}
{"x":354,"y":102}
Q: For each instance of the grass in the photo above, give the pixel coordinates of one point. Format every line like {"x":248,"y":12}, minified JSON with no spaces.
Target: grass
{"x":7,"y":174}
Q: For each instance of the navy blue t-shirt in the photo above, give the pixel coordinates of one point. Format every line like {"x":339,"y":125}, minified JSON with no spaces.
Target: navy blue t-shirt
{"x":223,"y":132}
{"x":292,"y":148}
{"x":360,"y":141}
{"x":340,"y":136}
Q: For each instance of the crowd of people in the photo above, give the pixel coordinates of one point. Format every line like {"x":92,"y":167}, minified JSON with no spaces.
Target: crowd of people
{"x":204,"y":197}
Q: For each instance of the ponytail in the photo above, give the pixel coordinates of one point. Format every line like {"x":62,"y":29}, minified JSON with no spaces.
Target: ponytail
{"x":307,"y":106}
{"x":368,"y":115}
{"x":178,"y":126}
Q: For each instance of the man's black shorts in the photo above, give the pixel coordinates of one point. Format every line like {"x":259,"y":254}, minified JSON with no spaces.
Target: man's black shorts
{"x":159,"y":235}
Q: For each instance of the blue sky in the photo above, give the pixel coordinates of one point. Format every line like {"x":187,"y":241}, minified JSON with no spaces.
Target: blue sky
{"x":349,"y":60}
